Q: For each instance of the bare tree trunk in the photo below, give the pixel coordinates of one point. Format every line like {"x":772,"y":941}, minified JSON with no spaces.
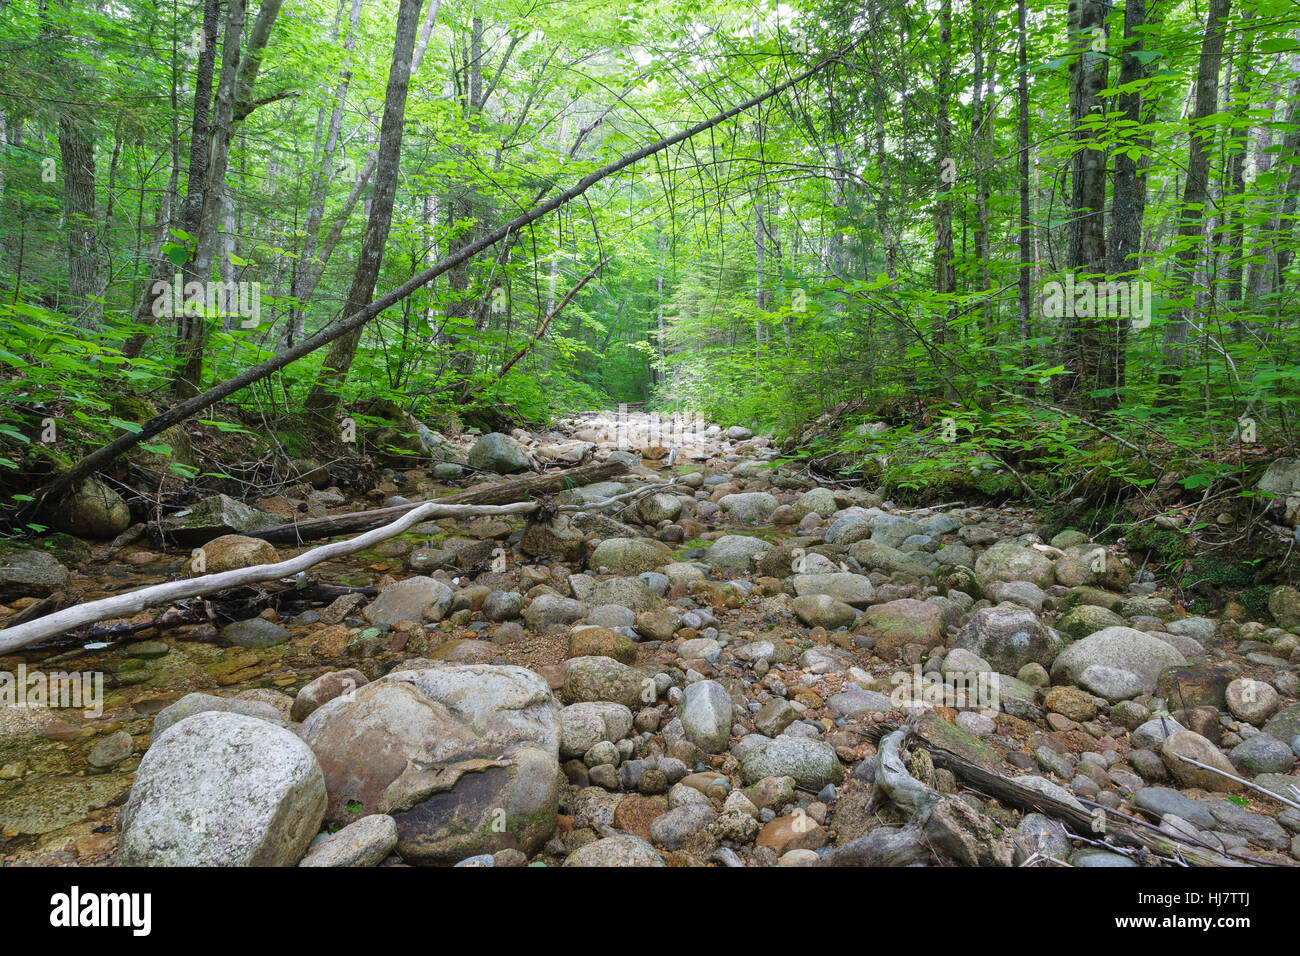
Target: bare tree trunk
{"x":982,"y":111}
{"x":1128,"y":200}
{"x":77,"y":162}
{"x":1024,"y":280}
{"x":945,"y":279}
{"x":1195,"y":187}
{"x":323,"y":399}
{"x":188,"y":379}
{"x":192,"y":206}
{"x":1092,"y":337}
{"x":322,"y":176}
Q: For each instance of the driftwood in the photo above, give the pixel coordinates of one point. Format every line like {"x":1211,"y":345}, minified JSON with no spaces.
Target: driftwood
{"x":132,"y":602}
{"x":49,"y":605}
{"x":1117,"y":828}
{"x":502,"y":493}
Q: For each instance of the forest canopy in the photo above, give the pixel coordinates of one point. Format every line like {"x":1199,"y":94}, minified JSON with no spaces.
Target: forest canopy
{"x":1060,"y":234}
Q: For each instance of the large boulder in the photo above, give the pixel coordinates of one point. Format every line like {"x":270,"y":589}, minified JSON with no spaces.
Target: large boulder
{"x":1009,"y":636}
{"x":463,"y":757}
{"x":734,"y":552}
{"x":223,"y":789}
{"x":1009,"y":560}
{"x":603,"y":678}
{"x":233,"y":551}
{"x":213,"y":517}
{"x":630,"y":555}
{"x":905,"y":621}
{"x":414,"y":599}
{"x":1124,"y":648}
{"x":92,"y":510}
{"x":198,"y":703}
{"x":1283,"y":480}
{"x":499,"y":453}
{"x":25,"y":572}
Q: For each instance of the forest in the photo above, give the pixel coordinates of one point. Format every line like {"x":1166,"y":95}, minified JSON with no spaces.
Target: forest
{"x":1033,"y":226}
{"x":955,"y":335}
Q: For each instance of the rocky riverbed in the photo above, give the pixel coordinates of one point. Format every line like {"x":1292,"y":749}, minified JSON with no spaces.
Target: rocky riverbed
{"x":698,"y":674}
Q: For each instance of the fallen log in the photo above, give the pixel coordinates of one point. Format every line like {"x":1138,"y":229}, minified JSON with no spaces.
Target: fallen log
{"x":1099,"y":821}
{"x":134,"y":601}
{"x":502,"y":493}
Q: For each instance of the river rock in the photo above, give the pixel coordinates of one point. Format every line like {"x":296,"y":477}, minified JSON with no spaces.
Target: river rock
{"x":367,"y":842}
{"x":905,"y":621}
{"x":615,"y":851}
{"x":630,"y":555}
{"x":213,"y":517}
{"x":92,"y":510}
{"x":499,"y":453}
{"x":223,"y":789}
{"x":706,"y":715}
{"x":25,"y":572}
{"x":1009,"y":636}
{"x":812,"y":763}
{"x":233,"y":551}
{"x":1121,"y":647}
{"x":414,"y":599}
{"x":603,"y":678}
{"x":464,"y":757}
{"x":1185,"y":743}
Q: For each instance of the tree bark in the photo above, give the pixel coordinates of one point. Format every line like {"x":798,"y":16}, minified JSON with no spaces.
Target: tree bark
{"x":1089,"y":361}
{"x":191,"y":325}
{"x":1195,"y":191}
{"x":1024,"y":279}
{"x":323,"y":399}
